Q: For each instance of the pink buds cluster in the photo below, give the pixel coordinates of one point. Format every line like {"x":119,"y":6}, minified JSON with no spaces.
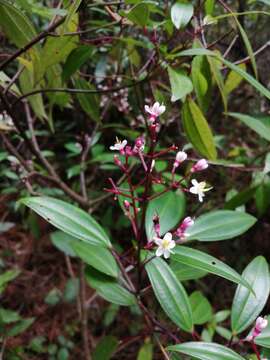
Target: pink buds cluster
{"x":181,"y":230}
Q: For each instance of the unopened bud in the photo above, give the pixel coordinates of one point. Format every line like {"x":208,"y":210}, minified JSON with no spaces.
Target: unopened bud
{"x":199,"y":166}
{"x":181,"y":156}
{"x":186,"y":223}
{"x":117,"y":161}
{"x":126,"y":204}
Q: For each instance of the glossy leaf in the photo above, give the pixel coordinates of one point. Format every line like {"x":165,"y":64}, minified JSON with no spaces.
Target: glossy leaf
{"x":206,"y":351}
{"x":198,"y":130}
{"x":63,"y":242}
{"x":170,"y":207}
{"x":108,"y":288}
{"x":220,"y":225}
{"x":202,"y":81}
{"x":15,"y":24}
{"x":170,"y":293}
{"x":184,"y":272}
{"x":181,"y":14}
{"x":246,"y":307}
{"x":71,"y":12}
{"x":89,"y":102}
{"x":181,"y":85}
{"x":261,"y":125}
{"x":75,"y":60}
{"x":201,"y":308}
{"x":215,"y":66}
{"x":233,"y":80}
{"x":97,"y":256}
{"x":206,"y":262}
{"x":250,"y":79}
{"x":139,"y":14}
{"x":69,"y":219}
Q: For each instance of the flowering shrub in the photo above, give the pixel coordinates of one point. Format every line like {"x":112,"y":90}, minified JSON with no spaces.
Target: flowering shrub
{"x":140,"y":220}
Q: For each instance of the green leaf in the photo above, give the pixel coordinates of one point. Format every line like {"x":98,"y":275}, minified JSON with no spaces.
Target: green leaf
{"x":63,"y":242}
{"x":170,"y":293}
{"x":170,"y":207}
{"x":264,"y":338}
{"x":206,"y":262}
{"x":233,"y":80}
{"x":89,"y":102}
{"x":201,"y":308}
{"x":146,"y":351}
{"x":139,"y":14}
{"x":6,"y":277}
{"x":247,"y":44}
{"x":198,"y":130}
{"x":205,"y":351}
{"x":202,"y":81}
{"x":75,"y":60}
{"x":98,"y":257}
{"x":69,"y":219}
{"x":215,"y":66}
{"x":71,"y":12}
{"x":220,"y":225}
{"x":185,"y":272}
{"x":181,"y":14}
{"x":261,"y":125}
{"x":246,"y":307}
{"x":209,"y":6}
{"x":250,"y":79}
{"x":105,"y":348}
{"x":181,"y":85}
{"x":108,"y":288}
{"x":8,"y":316}
{"x":20,"y":327}
{"x":27,"y":84}
{"x":71,"y":290}
{"x":15,"y":24}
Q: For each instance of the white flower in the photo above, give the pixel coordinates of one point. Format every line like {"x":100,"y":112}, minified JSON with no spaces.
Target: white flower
{"x":165,"y":245}
{"x":181,"y":156}
{"x":119,"y":145}
{"x":199,"y":189}
{"x":155,"y":110}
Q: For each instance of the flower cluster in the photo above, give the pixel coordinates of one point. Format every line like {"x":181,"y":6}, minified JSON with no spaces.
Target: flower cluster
{"x":165,"y":244}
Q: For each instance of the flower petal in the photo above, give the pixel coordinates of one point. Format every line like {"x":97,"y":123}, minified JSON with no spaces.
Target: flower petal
{"x":159,"y":251}
{"x":167,"y":237}
{"x":167,"y":254}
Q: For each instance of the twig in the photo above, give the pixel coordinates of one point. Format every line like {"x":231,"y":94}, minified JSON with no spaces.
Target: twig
{"x":79,"y":91}
{"x":28,"y":46}
{"x":84,"y":318}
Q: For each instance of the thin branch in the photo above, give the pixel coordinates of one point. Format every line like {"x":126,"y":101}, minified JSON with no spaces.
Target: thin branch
{"x":79,"y":91}
{"x":28,"y":46}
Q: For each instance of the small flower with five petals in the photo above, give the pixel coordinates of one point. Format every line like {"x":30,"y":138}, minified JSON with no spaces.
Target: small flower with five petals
{"x":165,"y":245}
{"x":199,"y":188}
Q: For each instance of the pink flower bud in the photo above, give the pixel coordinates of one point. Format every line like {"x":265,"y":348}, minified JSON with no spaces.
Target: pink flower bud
{"x":139,"y":144}
{"x":181,"y":156}
{"x":128,"y":151}
{"x":261,"y":323}
{"x":186,"y":223}
{"x":199,"y":166}
{"x":126,"y":204}
{"x":117,"y":161}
